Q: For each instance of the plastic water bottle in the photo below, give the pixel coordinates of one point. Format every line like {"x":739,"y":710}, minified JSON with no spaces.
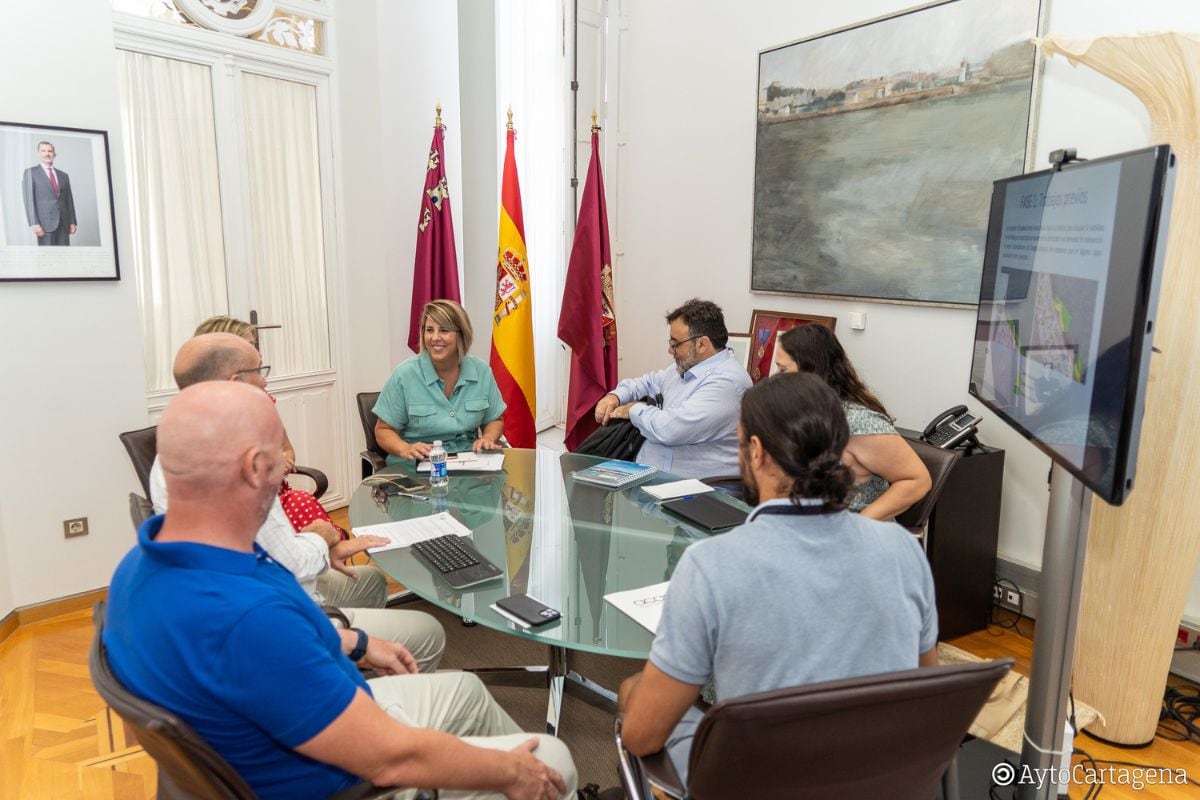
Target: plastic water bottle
{"x":439,"y":480}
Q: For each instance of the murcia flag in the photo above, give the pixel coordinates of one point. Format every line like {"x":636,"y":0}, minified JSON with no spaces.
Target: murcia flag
{"x":435,"y":271}
{"x":512,"y":321}
{"x":587,"y":322}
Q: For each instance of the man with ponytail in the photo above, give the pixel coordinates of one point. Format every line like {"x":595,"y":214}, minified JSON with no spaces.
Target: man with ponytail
{"x":803,"y":592}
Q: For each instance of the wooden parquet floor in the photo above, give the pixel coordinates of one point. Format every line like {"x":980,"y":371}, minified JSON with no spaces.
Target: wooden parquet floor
{"x":57,"y":737}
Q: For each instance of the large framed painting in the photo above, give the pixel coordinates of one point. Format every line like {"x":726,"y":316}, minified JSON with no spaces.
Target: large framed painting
{"x":764,"y":327}
{"x":877,"y":145}
{"x":56,"y":205}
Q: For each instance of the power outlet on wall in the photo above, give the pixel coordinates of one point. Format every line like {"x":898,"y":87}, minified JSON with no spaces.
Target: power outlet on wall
{"x":75,"y":527}
{"x":1005,"y":596}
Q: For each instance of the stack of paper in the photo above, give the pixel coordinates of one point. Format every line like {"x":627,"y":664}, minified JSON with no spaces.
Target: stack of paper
{"x":644,"y":606}
{"x":469,"y":462}
{"x":409,"y":531}
{"x":665,"y":491}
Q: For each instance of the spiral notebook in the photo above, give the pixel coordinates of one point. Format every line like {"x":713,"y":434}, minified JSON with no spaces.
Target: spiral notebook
{"x":614,"y":474}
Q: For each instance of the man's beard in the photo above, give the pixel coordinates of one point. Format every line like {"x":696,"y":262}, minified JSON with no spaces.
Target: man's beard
{"x":749,"y":486}
{"x":682,"y":365}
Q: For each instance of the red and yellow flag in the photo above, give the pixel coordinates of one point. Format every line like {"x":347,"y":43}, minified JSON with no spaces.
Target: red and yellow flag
{"x":512,"y":322}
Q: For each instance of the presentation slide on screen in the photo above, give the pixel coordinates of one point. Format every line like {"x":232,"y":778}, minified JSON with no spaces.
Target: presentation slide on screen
{"x":1038,"y":346}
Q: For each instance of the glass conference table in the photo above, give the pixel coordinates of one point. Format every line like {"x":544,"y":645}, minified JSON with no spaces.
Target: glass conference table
{"x":562,"y":541}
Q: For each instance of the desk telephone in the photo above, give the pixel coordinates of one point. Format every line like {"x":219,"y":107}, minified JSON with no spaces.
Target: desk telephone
{"x":952,"y":427}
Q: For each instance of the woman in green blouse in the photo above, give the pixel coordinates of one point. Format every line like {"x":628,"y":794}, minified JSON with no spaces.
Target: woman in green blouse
{"x":888,"y":475}
{"x":442,"y":394}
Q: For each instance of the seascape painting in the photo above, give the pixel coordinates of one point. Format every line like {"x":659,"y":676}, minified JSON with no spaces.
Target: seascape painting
{"x":877,"y":147}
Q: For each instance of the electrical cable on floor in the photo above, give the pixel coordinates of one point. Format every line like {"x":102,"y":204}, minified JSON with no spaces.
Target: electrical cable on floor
{"x":1178,"y":720}
{"x":1015,"y":623}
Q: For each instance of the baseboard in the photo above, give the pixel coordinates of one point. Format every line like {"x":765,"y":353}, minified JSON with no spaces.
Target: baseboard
{"x":27,"y":615}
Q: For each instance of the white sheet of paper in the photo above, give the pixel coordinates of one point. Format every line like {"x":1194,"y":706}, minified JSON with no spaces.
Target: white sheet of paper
{"x":667,"y":491}
{"x":644,"y":606}
{"x":470,"y":462}
{"x":406,"y":532}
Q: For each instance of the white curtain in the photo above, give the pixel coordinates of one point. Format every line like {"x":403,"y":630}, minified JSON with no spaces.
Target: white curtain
{"x":175,"y":205}
{"x":530,"y":77}
{"x":286,"y":242}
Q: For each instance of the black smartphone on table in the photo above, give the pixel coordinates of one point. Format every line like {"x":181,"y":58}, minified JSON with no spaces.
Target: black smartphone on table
{"x":526,"y":611}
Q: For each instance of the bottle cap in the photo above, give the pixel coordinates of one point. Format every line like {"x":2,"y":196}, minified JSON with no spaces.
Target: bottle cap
{"x":437,"y":442}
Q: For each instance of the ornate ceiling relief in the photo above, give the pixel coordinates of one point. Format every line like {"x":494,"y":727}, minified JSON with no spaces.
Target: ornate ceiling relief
{"x":266,"y":21}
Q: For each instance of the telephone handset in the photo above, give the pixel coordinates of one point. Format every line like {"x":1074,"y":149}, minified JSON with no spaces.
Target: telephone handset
{"x":951,"y":428}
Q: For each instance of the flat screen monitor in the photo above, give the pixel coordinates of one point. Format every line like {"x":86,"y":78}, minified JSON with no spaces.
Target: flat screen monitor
{"x":1066,"y":309}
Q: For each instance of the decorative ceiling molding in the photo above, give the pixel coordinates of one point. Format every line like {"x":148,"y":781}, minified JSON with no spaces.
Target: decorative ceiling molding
{"x":215,"y":14}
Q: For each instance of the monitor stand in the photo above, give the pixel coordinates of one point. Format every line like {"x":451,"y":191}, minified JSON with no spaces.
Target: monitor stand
{"x":1054,"y":638}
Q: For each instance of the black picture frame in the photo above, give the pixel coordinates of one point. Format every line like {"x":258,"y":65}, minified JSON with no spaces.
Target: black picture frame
{"x":84,"y":198}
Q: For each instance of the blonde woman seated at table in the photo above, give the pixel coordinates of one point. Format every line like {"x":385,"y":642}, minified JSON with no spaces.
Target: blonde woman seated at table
{"x":888,"y":475}
{"x":442,"y":394}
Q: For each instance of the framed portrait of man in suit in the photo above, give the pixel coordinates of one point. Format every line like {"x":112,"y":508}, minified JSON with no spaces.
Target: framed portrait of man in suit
{"x":57,"y":220}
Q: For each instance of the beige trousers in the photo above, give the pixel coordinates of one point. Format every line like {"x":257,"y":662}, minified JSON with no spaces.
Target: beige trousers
{"x":459,"y":703}
{"x":362,"y":602}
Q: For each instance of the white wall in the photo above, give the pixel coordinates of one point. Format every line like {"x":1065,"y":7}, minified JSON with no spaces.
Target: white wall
{"x":418,"y":65}
{"x":480,"y":199}
{"x":689,"y":194}
{"x":369,"y":241}
{"x":71,"y":360}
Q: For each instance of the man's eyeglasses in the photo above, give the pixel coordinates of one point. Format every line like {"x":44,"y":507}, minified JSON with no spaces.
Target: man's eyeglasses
{"x":674,"y":345}
{"x":264,"y":371}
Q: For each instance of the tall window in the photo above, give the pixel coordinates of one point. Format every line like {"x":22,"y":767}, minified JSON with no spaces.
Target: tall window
{"x":227,"y":138}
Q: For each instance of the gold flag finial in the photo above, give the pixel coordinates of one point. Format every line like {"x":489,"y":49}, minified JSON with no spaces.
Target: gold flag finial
{"x":437,"y":120}
{"x":510,"y":127}
{"x":595,"y":125}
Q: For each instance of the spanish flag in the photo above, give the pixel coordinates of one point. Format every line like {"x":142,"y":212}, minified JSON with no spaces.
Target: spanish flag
{"x":512,"y":321}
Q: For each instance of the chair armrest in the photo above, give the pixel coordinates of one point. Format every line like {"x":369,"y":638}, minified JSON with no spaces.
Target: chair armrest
{"x":336,"y":613}
{"x":638,"y":775}
{"x":316,"y":476}
{"x":376,"y":461}
{"x":660,"y":771}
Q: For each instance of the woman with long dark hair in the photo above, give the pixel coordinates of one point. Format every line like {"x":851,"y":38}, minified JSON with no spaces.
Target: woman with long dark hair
{"x":888,"y":475}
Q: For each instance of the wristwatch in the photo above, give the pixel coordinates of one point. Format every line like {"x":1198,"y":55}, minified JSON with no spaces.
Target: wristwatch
{"x":360,"y":649}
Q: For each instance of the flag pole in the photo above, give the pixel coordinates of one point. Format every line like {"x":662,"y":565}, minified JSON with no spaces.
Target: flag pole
{"x":437,"y":120}
{"x":595,"y":127}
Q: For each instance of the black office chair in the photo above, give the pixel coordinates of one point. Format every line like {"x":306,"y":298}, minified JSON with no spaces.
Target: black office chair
{"x":188,"y":767}
{"x":939,"y":462}
{"x":374,"y":458}
{"x":729,"y":484}
{"x":140,"y":509}
{"x":894,"y":735}
{"x":142,"y":447}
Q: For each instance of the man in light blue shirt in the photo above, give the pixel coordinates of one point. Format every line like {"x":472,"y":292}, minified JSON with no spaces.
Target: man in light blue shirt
{"x":694,"y":434}
{"x":804,"y":592}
